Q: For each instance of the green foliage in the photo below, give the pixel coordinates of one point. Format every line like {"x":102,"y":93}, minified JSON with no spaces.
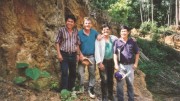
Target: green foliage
{"x":19,"y":80}
{"x":22,"y":65}
{"x":157,"y":51}
{"x":148,"y":27}
{"x":33,"y":73}
{"x":128,"y":11}
{"x":119,"y":11}
{"x":44,"y":74}
{"x":65,"y":95}
{"x":102,"y":4}
{"x":54,"y":85}
{"x":155,"y":36}
{"x":152,"y":70}
{"x":161,"y":58}
{"x":125,"y":12}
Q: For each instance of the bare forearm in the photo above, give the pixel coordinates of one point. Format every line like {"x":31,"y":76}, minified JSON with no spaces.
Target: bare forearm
{"x":115,"y":59}
{"x":58,"y":48}
{"x":78,"y":50}
{"x":136,"y":59}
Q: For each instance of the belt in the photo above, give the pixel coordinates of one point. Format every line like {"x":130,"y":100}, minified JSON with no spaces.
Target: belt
{"x":108,"y":59}
{"x":68,"y":53}
{"x":126,"y":63}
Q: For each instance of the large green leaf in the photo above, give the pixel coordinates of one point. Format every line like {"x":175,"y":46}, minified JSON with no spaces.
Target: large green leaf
{"x":19,"y":80}
{"x":44,"y":74}
{"x":22,"y":65}
{"x":33,"y":73}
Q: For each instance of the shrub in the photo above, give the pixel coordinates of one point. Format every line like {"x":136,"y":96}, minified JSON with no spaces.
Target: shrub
{"x":67,"y":95}
{"x":148,"y":27}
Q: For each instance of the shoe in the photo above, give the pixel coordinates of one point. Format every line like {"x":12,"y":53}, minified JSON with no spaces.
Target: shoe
{"x":91,"y":93}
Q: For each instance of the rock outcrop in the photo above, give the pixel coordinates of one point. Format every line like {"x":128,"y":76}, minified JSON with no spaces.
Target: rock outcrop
{"x":27,"y":33}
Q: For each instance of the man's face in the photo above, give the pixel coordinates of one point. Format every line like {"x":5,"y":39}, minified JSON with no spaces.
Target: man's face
{"x":70,"y":23}
{"x":87,"y":25}
{"x":124,"y":33}
{"x":106,"y":31}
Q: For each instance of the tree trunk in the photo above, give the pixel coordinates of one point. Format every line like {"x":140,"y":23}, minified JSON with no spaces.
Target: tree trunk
{"x":141,"y":12}
{"x":177,"y":13}
{"x":169,"y":14}
{"x":152,"y":7}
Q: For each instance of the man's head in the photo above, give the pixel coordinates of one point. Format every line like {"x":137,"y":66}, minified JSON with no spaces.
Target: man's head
{"x":106,"y":29}
{"x":87,"y":23}
{"x":70,"y":21}
{"x":124,"y":31}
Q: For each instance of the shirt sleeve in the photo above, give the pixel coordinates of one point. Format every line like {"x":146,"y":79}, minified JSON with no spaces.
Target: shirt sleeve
{"x":96,"y":33}
{"x":115,"y":47}
{"x":78,"y":36}
{"x":136,"y":48}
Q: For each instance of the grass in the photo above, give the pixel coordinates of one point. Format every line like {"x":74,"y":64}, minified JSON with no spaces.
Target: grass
{"x":162,"y":58}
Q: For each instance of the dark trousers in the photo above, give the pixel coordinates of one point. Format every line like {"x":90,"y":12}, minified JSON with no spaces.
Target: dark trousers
{"x":68,"y":70}
{"x":107,"y":79}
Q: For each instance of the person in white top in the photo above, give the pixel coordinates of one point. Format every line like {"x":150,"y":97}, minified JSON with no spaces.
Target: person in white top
{"x":104,"y":60}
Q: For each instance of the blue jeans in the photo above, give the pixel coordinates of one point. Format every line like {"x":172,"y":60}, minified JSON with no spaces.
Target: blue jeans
{"x":107,"y":79}
{"x":68,"y":70}
{"x":129,"y":81}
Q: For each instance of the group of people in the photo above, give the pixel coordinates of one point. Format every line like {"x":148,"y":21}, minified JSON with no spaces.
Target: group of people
{"x":107,"y":52}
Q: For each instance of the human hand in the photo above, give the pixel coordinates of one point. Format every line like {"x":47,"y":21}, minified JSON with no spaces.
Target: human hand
{"x":101,"y":67}
{"x":81,"y":57}
{"x":60,"y":58}
{"x":116,"y":67}
{"x":77,"y":58}
{"x":135,"y":66}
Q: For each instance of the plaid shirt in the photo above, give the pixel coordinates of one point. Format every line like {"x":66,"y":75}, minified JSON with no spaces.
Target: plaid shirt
{"x":67,"y":43}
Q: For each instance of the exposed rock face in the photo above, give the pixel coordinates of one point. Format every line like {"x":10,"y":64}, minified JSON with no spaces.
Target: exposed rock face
{"x":141,"y":92}
{"x":28,"y":29}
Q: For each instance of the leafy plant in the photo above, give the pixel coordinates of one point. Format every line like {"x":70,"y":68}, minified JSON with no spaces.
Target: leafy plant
{"x":22,"y":65}
{"x":33,"y":73}
{"x":44,"y":74}
{"x":67,"y":95}
{"x":54,"y":85}
{"x":148,"y":27}
{"x":19,"y":80}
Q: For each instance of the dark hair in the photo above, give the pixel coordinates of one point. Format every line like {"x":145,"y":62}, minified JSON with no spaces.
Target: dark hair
{"x":70,"y":17}
{"x":125,"y":27}
{"x":106,"y":25}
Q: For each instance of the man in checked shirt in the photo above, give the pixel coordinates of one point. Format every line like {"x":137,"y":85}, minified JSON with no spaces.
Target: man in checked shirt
{"x":67,"y":46}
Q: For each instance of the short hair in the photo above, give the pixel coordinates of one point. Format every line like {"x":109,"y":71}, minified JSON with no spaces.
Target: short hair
{"x":70,"y":17}
{"x":106,"y":25}
{"x":87,"y":18}
{"x":124,"y":27}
